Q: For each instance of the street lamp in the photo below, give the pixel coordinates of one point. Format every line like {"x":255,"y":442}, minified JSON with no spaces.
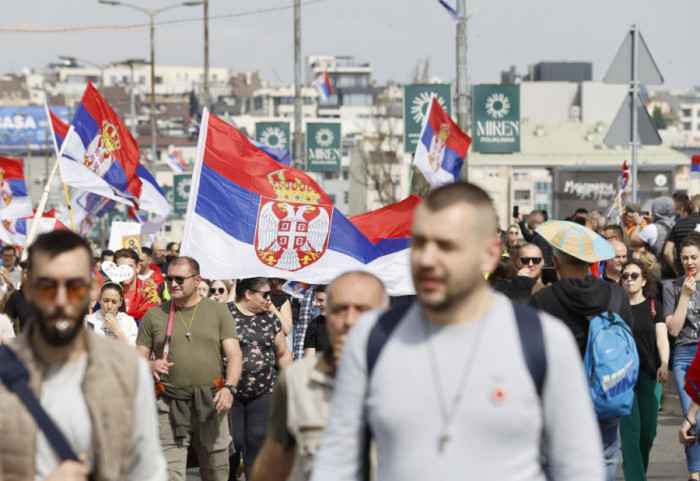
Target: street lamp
{"x":99,"y":67}
{"x":151,"y":14}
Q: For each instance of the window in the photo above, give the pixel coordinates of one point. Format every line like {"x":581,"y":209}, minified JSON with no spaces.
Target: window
{"x":687,"y":126}
{"x":357,"y":100}
{"x":159,"y":80}
{"x":492,"y":173}
{"x":332,"y":198}
{"x":258,"y":103}
{"x":214,"y":78}
{"x":521,"y":196}
{"x":351,"y":81}
{"x":543,"y":196}
{"x":345,"y":197}
{"x":519,"y":174}
{"x":686,"y":112}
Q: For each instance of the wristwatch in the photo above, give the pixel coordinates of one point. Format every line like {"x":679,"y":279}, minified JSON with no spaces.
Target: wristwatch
{"x":231,"y":388}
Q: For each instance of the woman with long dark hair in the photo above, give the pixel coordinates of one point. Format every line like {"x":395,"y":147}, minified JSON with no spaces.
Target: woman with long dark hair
{"x":638,"y":430}
{"x":682,"y":315}
{"x":263,"y":346}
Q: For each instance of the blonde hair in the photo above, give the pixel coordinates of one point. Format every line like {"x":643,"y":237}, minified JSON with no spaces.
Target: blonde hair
{"x":650,"y":262}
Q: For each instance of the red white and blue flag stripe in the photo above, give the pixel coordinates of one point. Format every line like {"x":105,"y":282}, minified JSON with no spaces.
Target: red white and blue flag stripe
{"x":625,"y":173}
{"x":250,"y":216}
{"x":176,"y":162}
{"x":442,"y":147}
{"x":14,"y":199}
{"x":14,"y":231}
{"x":101,"y":156}
{"x":323,"y":85}
{"x":151,"y":199}
{"x":695,"y":167}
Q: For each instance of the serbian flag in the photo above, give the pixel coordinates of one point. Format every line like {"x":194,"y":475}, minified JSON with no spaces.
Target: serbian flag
{"x":250,"y":216}
{"x":152,"y":200}
{"x":323,"y":85}
{"x":441,"y":148}
{"x":13,"y":190}
{"x":625,"y":174}
{"x":695,"y":167}
{"x":14,"y":231}
{"x":88,"y":208}
{"x":280,"y":155}
{"x":100,"y":156}
{"x":176,"y":162}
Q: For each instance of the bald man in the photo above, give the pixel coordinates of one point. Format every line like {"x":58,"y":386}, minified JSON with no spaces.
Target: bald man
{"x":613,"y":267}
{"x":301,"y":400}
{"x":536,"y":218}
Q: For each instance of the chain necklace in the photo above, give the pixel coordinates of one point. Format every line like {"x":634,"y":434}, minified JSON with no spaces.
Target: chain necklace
{"x":448,"y":412}
{"x":188,"y":334}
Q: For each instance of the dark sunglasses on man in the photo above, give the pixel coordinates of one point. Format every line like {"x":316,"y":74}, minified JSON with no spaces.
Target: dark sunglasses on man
{"x":526,"y":260}
{"x":179,"y":280}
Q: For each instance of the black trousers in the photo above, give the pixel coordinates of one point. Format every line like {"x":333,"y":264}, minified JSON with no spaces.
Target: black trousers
{"x":249,"y":418}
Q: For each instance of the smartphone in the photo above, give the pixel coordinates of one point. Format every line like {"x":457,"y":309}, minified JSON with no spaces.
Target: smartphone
{"x":516,"y":211}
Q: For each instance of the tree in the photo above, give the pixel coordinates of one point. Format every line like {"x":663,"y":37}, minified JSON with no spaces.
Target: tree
{"x":658,"y":118}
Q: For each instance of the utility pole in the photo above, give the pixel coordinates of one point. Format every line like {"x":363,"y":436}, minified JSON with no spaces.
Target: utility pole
{"x":207,"y":96}
{"x":461,"y":49}
{"x":298,"y":153}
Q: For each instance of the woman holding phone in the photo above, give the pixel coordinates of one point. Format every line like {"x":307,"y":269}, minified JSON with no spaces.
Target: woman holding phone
{"x":112,"y":320}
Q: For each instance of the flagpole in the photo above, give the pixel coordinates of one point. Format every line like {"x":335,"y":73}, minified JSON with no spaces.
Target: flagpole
{"x":44,"y":198}
{"x":70,"y":209}
{"x":410,"y":178}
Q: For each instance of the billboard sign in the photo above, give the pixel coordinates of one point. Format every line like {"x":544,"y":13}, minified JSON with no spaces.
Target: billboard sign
{"x":273,"y":134}
{"x":27,"y":127}
{"x":416,"y":100}
{"x":496,"y":119}
{"x":323,"y":146}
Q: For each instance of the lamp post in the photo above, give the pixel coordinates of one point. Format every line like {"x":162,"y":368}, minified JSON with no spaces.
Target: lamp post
{"x":99,"y":67}
{"x":151,"y":14}
{"x":132,"y":103}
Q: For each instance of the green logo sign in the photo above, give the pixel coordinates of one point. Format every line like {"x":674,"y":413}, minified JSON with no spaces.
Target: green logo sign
{"x":416,"y":99}
{"x":169,"y":193}
{"x":273,"y":134}
{"x":117,"y":214}
{"x":323,"y":146}
{"x":181,"y":192}
{"x":496,"y":126}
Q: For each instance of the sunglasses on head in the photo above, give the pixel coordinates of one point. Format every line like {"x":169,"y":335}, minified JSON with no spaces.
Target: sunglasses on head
{"x":180,"y":280}
{"x":76,"y":289}
{"x":634,"y":276}
{"x":217,"y":290}
{"x":526,"y":260}
{"x":265,"y":294}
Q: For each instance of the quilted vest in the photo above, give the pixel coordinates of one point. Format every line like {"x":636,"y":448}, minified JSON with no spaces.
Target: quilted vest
{"x":110,"y":384}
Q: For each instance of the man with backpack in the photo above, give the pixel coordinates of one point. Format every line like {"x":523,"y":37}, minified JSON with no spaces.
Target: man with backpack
{"x":584,"y":302}
{"x":653,"y":236}
{"x":461,"y":384}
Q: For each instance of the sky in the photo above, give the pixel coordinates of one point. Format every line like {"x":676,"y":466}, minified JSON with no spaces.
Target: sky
{"x":393,"y":36}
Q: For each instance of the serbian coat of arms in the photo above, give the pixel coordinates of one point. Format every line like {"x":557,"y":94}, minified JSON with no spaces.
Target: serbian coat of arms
{"x":293,"y":228}
{"x":98,"y":155}
{"x":437,"y":147}
{"x":5,"y":189}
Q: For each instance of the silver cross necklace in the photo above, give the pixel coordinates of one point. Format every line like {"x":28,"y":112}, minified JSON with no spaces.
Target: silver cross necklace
{"x":448,"y":412}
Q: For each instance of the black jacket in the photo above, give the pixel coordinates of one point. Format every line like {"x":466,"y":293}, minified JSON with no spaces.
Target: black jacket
{"x":574,"y":300}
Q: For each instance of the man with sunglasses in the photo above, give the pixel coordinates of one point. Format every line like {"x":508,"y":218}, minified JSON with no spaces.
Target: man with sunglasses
{"x":194,"y":394}
{"x":98,"y":392}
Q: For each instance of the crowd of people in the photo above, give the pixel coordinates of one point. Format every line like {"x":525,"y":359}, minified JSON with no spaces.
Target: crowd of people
{"x":146,"y":367}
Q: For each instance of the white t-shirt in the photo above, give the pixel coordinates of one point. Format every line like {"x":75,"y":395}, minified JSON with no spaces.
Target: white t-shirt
{"x":126,"y":322}
{"x":63,"y":399}
{"x":7,"y":332}
{"x":649,"y":234}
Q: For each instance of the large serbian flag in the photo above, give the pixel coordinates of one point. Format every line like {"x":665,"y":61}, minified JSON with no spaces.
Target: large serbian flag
{"x":100,"y":156}
{"x":250,"y":216}
{"x":15,"y":201}
{"x":441,"y":148}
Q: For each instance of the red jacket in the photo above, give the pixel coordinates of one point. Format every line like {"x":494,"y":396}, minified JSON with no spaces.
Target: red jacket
{"x":141,"y":299}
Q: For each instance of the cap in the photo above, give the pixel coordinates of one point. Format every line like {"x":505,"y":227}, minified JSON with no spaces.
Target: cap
{"x":576,"y":240}
{"x":633,"y":208}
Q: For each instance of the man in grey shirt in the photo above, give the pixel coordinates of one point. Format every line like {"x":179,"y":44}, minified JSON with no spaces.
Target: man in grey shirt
{"x":450,"y":396}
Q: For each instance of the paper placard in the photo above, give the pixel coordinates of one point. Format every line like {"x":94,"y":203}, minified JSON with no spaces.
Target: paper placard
{"x":118,"y":230}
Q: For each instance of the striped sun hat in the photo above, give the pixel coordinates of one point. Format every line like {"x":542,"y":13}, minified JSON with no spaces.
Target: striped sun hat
{"x":576,"y":240}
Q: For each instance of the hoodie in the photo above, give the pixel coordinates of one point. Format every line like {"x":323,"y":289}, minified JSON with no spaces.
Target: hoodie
{"x":574,"y":300}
